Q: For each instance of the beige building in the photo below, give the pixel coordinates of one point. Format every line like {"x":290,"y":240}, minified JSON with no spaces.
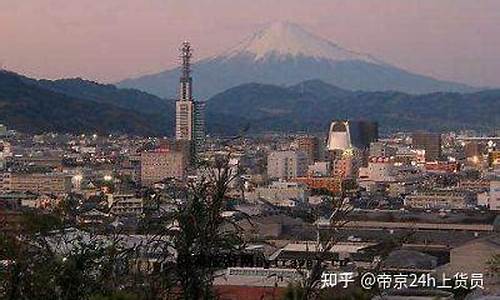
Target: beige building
{"x":286,"y":164}
{"x":50,"y":183}
{"x":378,"y":171}
{"x":126,"y":205}
{"x":282,"y":193}
{"x":494,"y":198}
{"x":162,"y":164}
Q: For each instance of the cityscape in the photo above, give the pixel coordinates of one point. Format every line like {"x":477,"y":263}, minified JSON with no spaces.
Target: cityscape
{"x":287,"y":167}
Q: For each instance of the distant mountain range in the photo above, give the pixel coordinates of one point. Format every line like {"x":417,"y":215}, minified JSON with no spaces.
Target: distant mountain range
{"x":77,"y":106}
{"x":285,"y":54}
{"x":311,"y":105}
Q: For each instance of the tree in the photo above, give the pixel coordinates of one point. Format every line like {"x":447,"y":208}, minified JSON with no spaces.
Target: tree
{"x":47,"y":260}
{"x":326,"y":240}
{"x":54,"y":257}
{"x":203,"y":234}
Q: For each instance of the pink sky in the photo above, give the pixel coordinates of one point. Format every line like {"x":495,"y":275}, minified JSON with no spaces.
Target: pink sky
{"x":109,"y":40}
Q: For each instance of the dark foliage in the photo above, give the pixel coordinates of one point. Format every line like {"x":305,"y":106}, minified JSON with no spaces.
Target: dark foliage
{"x":312,"y":105}
{"x":27,"y":107}
{"x":76,"y":105}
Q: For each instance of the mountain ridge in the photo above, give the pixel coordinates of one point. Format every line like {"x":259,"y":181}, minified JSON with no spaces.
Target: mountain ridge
{"x":286,"y":54}
{"x":33,"y":106}
{"x":312,"y":105}
{"x":29,"y":107}
{"x":108,"y":94}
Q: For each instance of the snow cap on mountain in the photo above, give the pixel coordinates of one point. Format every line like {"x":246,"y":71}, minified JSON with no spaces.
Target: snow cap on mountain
{"x":285,"y":39}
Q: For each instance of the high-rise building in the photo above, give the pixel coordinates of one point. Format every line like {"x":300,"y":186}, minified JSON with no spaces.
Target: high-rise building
{"x":177,"y":146}
{"x":286,"y":164}
{"x":345,"y":134}
{"x":344,"y":167}
{"x":310,"y":146}
{"x":368,"y":133}
{"x":162,"y":164}
{"x":189,"y":121}
{"x":339,"y":136}
{"x":429,"y":142}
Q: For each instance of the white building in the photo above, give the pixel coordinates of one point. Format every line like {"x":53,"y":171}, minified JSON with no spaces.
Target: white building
{"x":189,"y":120}
{"x":319,"y":169}
{"x":378,"y":170}
{"x":286,"y":164}
{"x":339,"y":136}
{"x":282,"y":193}
{"x":126,"y":205}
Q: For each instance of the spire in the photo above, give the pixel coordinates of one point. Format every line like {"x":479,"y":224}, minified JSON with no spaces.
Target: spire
{"x":186,"y":80}
{"x":189,"y":121}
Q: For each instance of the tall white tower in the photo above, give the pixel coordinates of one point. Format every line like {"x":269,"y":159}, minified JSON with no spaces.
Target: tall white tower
{"x":184,"y":111}
{"x":189,"y":121}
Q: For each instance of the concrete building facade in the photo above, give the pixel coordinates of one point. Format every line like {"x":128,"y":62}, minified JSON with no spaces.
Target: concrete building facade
{"x":286,"y":164}
{"x":162,"y":164}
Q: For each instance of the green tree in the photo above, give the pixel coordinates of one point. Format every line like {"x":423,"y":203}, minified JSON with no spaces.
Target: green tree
{"x":203,"y":234}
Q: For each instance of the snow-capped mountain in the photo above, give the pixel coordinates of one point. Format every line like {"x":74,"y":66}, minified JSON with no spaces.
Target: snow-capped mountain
{"x":283,"y":39}
{"x":284,"y":53}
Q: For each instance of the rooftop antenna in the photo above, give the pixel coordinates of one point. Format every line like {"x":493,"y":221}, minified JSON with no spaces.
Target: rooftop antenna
{"x":186,"y":80}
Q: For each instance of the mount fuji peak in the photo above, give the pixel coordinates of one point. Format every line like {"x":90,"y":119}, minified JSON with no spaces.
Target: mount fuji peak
{"x":284,"y":39}
{"x":284,"y":53}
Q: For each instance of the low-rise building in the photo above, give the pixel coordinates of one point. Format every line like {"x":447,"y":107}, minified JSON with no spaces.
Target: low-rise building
{"x":331,"y":184}
{"x":126,"y":205}
{"x":441,"y":167}
{"x":439,"y":200}
{"x":319,"y":169}
{"x":47,"y":183}
{"x":396,"y":189}
{"x":382,"y":149}
{"x":161,"y":164}
{"x":379,"y":169}
{"x":40,"y":161}
{"x":281,"y":193}
{"x":494,"y":199}
{"x":14,"y":200}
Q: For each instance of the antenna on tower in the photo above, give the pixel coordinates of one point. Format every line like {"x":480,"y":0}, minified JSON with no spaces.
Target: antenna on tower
{"x":186,"y":52}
